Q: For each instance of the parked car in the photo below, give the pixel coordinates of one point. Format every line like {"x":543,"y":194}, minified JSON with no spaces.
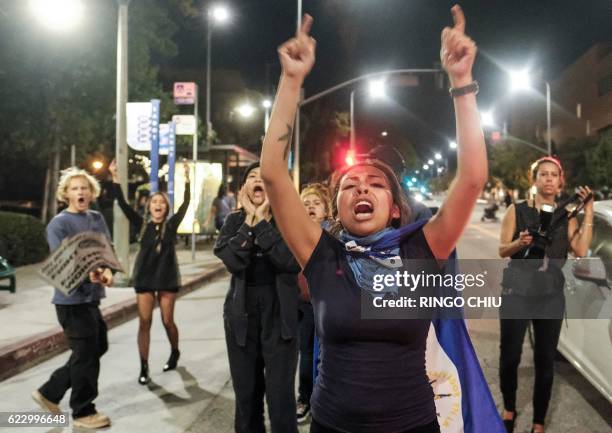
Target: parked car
{"x":587,"y":341}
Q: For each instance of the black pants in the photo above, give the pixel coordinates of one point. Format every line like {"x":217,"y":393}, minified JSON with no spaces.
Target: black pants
{"x":306,"y":332}
{"x":546,"y":335}
{"x":433,"y":427}
{"x":264,"y":366}
{"x":87,"y":337}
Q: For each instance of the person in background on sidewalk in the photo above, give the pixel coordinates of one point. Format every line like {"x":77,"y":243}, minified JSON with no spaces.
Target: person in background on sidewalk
{"x":316,"y":201}
{"x":221,"y":207}
{"x":532,"y":290}
{"x":78,"y":313}
{"x":156,"y":271}
{"x":260,"y":312}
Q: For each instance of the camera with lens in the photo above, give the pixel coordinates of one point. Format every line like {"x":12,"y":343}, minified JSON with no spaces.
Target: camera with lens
{"x":537,"y":249}
{"x":542,"y":235}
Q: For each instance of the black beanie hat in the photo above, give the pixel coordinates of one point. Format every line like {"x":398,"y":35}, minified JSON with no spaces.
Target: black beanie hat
{"x":249,"y":168}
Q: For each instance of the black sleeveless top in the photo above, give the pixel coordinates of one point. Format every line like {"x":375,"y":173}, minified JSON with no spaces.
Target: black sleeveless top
{"x":537,"y":276}
{"x":372,"y":376}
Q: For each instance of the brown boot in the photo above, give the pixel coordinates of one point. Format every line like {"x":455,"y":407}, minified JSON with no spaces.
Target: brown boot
{"x":96,"y":420}
{"x":46,"y":404}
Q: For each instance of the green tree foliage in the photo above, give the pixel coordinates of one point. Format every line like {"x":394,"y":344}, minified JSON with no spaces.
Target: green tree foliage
{"x":599,"y":161}
{"x":58,"y":89}
{"x":510,"y":161}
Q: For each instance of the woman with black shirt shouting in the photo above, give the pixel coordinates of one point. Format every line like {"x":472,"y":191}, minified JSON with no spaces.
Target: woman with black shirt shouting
{"x":372,"y":374}
{"x":156,"y":272}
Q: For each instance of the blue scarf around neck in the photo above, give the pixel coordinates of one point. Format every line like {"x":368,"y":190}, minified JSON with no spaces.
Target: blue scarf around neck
{"x":376,"y":254}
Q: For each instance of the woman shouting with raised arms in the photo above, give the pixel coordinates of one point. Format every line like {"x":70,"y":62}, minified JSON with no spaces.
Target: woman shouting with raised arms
{"x":372,"y":375}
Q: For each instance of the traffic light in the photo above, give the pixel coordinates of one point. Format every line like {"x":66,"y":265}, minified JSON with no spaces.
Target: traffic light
{"x":349,"y":159}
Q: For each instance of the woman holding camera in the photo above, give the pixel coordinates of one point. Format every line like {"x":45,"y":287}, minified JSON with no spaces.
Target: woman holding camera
{"x":537,"y":235}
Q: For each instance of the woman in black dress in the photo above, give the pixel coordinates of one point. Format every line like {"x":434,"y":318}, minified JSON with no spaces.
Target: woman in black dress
{"x":156,"y":271}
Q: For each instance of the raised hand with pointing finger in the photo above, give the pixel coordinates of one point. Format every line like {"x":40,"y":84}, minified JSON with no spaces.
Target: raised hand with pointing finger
{"x":458,"y":51}
{"x":297,"y":55}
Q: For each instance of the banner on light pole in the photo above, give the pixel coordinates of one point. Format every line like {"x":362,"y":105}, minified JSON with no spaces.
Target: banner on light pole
{"x":139,"y":125}
{"x":154,"y":134}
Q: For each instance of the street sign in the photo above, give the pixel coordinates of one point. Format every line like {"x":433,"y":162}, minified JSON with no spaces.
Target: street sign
{"x":185,"y":93}
{"x":154,"y":134}
{"x":139,"y":125}
{"x":185,"y":124}
{"x":171,"y":162}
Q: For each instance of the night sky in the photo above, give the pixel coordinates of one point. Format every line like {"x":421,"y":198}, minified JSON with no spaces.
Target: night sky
{"x":361,"y":36}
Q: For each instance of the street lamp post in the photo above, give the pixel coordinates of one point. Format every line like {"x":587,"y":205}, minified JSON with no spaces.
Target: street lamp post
{"x":352,"y":121}
{"x":59,"y":16}
{"x":548,"y":129}
{"x":218,"y":14}
{"x":121,"y":230}
{"x":521,"y":81}
{"x":266,"y":104}
{"x":376,"y":89}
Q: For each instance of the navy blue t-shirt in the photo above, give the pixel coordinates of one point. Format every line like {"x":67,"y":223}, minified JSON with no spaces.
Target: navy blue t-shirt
{"x":372,"y":376}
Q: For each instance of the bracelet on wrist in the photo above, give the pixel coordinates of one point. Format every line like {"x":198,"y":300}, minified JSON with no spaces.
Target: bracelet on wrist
{"x":464,"y":90}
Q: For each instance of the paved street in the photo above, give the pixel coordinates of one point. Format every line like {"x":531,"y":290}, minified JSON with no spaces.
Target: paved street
{"x":198,"y":396}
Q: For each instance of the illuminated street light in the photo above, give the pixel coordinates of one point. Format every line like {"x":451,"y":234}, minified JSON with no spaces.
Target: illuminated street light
{"x":377,"y":88}
{"x":384,"y":133}
{"x":438,"y":156}
{"x":452,"y":144}
{"x":59,"y":15}
{"x":425,"y":167}
{"x":97,"y":165}
{"x":245,"y":110}
{"x":220,"y":13}
{"x":430,"y":162}
{"x":486,"y":117}
{"x":520,"y":80}
{"x":266,"y":103}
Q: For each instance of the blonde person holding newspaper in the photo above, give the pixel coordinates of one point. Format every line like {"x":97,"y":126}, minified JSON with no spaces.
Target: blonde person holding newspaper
{"x":372,"y":374}
{"x":79,"y":312}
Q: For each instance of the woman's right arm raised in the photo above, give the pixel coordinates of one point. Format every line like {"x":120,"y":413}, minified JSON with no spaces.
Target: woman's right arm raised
{"x":299,"y":231}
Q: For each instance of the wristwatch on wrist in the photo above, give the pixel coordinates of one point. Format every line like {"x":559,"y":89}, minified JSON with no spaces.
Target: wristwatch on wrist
{"x":460,"y":91}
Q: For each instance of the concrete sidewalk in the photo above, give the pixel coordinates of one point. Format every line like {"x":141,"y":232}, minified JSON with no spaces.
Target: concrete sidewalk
{"x":30,"y":331}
